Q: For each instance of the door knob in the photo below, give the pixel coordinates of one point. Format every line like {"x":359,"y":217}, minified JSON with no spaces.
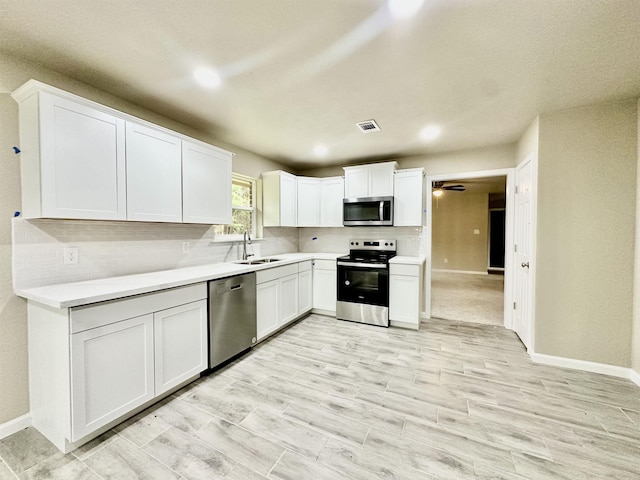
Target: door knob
{"x":524,"y":264}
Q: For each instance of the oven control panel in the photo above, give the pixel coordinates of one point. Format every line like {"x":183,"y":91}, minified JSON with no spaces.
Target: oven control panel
{"x":359,"y":244}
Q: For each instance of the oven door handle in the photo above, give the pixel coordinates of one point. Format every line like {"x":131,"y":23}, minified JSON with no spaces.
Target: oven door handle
{"x":363,"y":265}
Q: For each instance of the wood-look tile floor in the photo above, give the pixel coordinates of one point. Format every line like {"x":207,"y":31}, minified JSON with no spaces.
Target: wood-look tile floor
{"x":328,"y":399}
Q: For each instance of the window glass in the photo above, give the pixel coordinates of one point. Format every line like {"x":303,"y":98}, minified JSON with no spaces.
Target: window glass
{"x":243,"y":208}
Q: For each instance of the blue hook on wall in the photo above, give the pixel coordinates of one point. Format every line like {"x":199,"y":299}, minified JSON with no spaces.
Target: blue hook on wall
{"x":16,"y":150}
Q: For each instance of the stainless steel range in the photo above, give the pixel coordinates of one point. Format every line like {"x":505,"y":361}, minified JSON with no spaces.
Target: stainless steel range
{"x":363,"y":282}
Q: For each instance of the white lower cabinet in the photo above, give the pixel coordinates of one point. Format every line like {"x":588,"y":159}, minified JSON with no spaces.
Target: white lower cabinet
{"x":112,"y":372}
{"x":180,"y":344}
{"x":405,"y":285}
{"x":279,"y":296}
{"x":91,"y":366}
{"x":325,"y":279}
{"x":305,"y":287}
{"x":267,"y":307}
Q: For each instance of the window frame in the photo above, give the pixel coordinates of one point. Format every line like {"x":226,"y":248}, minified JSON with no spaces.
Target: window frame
{"x":256,"y":224}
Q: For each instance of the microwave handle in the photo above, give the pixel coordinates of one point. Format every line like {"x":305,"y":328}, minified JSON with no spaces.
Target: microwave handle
{"x":381,"y":210}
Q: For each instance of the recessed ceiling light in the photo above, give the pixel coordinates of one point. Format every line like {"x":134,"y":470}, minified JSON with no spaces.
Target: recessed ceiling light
{"x":430,"y":133}
{"x":207,"y":77}
{"x":320,"y":150}
{"x":404,"y":8}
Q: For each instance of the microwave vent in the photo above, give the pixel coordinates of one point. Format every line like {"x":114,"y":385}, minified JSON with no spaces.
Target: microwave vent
{"x":368,"y":126}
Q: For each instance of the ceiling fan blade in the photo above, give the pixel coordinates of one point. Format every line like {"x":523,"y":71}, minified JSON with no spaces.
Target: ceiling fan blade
{"x":458,"y":188}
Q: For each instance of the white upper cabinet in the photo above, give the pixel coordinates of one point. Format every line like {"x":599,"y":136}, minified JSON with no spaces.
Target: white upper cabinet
{"x":375,"y":180}
{"x":154,"y":175}
{"x":331,"y":196}
{"x":206,"y":184}
{"x":308,"y":201}
{"x":356,"y":182}
{"x":72,"y":159}
{"x":409,"y":197}
{"x":79,"y":160}
{"x":279,"y":203}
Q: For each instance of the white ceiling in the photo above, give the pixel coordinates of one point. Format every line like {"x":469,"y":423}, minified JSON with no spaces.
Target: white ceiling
{"x":297,"y":73}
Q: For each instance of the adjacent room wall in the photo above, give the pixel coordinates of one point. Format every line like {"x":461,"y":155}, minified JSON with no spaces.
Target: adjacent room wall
{"x":456,"y":215}
{"x":585,"y":233}
{"x":13,"y":322}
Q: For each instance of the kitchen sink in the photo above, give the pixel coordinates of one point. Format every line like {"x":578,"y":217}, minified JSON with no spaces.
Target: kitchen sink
{"x":259,"y":261}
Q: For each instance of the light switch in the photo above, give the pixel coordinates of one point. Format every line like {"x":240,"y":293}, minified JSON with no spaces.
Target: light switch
{"x":476,"y":231}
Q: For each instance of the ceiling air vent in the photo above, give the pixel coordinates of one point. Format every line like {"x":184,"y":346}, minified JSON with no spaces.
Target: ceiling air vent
{"x":368,"y":126}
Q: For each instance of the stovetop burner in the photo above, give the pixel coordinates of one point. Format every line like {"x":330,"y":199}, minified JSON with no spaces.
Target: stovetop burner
{"x":370,"y":251}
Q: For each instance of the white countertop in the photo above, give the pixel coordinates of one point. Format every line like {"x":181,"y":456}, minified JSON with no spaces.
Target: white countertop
{"x":65,"y":295}
{"x":408,"y":260}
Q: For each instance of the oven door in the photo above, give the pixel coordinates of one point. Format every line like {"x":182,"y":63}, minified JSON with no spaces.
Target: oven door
{"x":366,"y":283}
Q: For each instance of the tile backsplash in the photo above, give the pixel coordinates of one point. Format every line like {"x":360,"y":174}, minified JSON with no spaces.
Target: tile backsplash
{"x":410,"y":240}
{"x":107,"y":249}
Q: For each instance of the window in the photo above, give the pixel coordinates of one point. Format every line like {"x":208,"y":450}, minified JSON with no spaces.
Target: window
{"x":243,"y":207}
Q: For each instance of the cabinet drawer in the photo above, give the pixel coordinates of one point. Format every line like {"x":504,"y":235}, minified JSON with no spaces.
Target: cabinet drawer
{"x":325,"y":265}
{"x":277,"y":272}
{"x":404,"y":269}
{"x":100,"y":314}
{"x":304,"y":266}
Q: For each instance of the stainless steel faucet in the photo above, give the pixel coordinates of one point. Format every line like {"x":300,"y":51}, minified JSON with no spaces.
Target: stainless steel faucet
{"x":246,"y":239}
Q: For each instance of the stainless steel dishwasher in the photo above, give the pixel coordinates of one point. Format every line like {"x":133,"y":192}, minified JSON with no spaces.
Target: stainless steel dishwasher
{"x":232,"y":317}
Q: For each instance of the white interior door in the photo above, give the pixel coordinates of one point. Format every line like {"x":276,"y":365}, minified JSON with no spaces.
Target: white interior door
{"x":523,"y":239}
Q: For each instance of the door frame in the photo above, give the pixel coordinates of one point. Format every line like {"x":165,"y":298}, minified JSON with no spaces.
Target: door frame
{"x":509,"y":224}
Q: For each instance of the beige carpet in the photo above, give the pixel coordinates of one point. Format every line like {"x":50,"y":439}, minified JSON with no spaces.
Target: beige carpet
{"x":467,"y":297}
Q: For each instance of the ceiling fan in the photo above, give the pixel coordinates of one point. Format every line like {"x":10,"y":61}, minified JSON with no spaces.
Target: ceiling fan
{"x":440,"y":187}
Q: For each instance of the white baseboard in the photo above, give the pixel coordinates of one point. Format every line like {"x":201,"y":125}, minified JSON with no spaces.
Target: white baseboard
{"x":594,"y":367}
{"x":468,"y":272}
{"x":15,"y":425}
{"x":635,"y":377}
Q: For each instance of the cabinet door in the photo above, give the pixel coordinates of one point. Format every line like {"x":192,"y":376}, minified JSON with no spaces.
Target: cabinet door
{"x":288,"y":299}
{"x":288,"y":200}
{"x":305,"y":291}
{"x":356,"y":182}
{"x":331,"y":196}
{"x":82,"y":161}
{"x":206,"y":185}
{"x":324,"y":289}
{"x":180,"y":341}
{"x":268,"y":307}
{"x":308,"y":202}
{"x":381,"y":180}
{"x":111,"y":373}
{"x":404,"y":299}
{"x":154,"y":175}
{"x":408,"y":198}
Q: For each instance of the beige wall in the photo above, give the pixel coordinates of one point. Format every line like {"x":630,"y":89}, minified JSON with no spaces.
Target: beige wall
{"x":635,"y":343}
{"x":14,"y":391}
{"x":478,"y":159}
{"x":13,"y":322}
{"x":585,"y":233}
{"x":528,"y":144}
{"x":455,"y":217}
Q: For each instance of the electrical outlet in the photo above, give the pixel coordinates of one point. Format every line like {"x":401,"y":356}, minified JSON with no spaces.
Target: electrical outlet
{"x":70,"y":256}
{"x":186,"y":246}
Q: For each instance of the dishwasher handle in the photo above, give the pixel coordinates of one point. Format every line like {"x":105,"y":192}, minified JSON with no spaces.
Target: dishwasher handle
{"x":236,"y":287}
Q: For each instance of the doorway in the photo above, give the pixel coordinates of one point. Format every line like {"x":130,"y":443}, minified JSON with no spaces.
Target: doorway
{"x":468,"y":276}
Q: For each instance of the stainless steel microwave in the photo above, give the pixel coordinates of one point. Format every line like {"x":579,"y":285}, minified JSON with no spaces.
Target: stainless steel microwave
{"x":367,"y":211}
